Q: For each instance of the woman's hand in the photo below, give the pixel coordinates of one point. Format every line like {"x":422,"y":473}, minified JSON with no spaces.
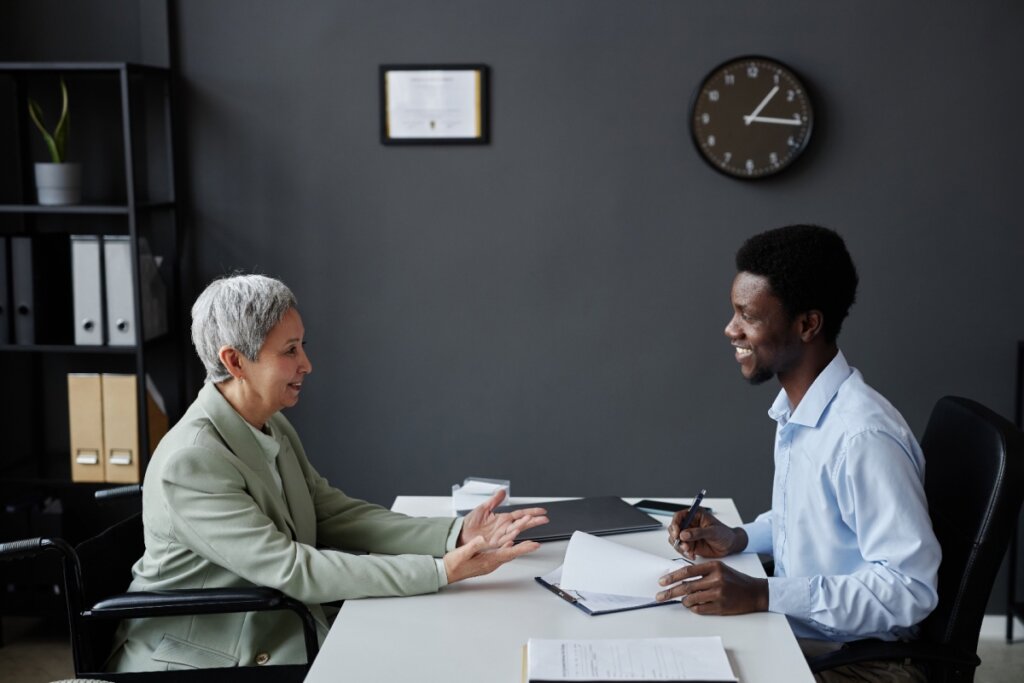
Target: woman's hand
{"x":501,"y":528}
{"x":479,"y":557}
{"x":706,"y":536}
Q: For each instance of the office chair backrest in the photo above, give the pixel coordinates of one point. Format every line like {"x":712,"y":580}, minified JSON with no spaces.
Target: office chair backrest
{"x":974,"y":482}
{"x":106,"y":568}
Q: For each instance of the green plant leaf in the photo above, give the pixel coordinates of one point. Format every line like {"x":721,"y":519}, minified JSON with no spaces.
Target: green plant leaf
{"x":56,"y":143}
{"x":60,"y":133}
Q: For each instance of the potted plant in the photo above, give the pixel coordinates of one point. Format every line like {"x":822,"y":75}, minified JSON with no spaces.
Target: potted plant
{"x":57,"y":182}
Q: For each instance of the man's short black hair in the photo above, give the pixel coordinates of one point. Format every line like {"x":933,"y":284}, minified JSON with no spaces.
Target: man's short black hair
{"x":808,"y":268}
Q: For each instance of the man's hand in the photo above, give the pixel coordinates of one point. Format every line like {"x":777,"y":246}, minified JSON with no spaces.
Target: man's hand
{"x":478,"y":557}
{"x":499,"y":529}
{"x":706,"y":536}
{"x":719,"y":589}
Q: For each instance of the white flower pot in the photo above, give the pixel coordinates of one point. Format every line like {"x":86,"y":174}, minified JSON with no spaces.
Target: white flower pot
{"x":59,"y":183}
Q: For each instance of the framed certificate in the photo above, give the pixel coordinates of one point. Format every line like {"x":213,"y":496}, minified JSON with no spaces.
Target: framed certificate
{"x":434,"y":105}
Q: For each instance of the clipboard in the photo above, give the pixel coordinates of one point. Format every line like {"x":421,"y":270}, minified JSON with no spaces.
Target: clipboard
{"x":594,"y":604}
{"x":596,"y":515}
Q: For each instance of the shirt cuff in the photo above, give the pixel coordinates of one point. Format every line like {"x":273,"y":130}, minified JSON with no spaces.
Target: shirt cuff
{"x":790,"y":596}
{"x":442,"y":575}
{"x":450,"y":543}
{"x":759,"y":537}
{"x":453,"y":534}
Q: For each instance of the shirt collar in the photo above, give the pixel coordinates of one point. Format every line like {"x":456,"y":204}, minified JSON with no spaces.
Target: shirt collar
{"x":818,"y":396}
{"x":269,"y":446}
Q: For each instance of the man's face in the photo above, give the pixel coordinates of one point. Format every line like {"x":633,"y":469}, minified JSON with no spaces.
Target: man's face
{"x":766,"y":340}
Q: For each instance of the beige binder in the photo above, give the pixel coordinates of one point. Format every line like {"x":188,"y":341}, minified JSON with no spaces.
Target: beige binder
{"x":121,"y":462}
{"x":85,"y":419}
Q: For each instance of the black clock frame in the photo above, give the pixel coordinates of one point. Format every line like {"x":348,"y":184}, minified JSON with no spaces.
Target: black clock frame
{"x":695,"y":99}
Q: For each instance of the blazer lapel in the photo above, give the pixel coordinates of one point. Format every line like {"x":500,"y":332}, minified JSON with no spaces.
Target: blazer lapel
{"x":296,"y":492}
{"x":240,"y":440}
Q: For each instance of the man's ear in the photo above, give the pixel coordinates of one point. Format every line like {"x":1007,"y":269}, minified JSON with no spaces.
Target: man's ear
{"x":811,"y":325}
{"x":231,"y":359}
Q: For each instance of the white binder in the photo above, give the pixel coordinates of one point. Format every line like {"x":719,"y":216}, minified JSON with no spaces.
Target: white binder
{"x":122,"y":327}
{"x":87,"y":290}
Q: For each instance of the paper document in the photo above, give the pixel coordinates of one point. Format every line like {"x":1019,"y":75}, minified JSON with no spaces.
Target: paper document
{"x":596,"y":603}
{"x":639,"y":659}
{"x":597,"y":565}
{"x":609,"y":577}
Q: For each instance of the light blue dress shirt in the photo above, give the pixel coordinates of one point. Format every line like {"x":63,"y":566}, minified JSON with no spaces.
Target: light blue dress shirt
{"x":855,"y":555}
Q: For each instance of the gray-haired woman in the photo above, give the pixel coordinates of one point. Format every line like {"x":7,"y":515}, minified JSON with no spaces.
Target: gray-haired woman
{"x":230,"y":499}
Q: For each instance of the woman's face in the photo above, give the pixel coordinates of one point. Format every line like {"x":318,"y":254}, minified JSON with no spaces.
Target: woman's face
{"x":275,"y":379}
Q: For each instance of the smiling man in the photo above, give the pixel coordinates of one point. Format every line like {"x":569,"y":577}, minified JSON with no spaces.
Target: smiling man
{"x":855,"y":555}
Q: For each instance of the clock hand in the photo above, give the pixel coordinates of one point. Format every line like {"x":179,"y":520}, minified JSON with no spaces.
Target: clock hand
{"x":752,"y":115}
{"x":795,"y":121}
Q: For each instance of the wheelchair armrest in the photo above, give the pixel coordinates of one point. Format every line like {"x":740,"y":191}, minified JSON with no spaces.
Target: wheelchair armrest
{"x":875,"y":650}
{"x":205,"y":601}
{"x":30,"y":547}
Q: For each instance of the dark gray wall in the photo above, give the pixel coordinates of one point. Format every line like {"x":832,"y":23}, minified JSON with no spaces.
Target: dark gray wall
{"x":549,"y":308}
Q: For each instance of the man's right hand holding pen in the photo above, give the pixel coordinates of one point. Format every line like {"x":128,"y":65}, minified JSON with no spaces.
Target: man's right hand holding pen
{"x":704,"y":535}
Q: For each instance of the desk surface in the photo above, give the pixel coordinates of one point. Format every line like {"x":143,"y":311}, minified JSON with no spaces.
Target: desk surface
{"x":474,"y":630}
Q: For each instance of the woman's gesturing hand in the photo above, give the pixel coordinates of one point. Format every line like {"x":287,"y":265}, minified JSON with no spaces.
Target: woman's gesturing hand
{"x":478,"y":557}
{"x":499,"y":529}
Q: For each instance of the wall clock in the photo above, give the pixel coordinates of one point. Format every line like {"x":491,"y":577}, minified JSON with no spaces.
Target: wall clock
{"x":751,"y":117}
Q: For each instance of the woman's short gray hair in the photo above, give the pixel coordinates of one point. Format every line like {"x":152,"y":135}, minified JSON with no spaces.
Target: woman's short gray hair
{"x":237,"y":311}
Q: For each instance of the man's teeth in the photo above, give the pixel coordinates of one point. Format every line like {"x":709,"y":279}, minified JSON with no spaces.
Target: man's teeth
{"x":743,"y":352}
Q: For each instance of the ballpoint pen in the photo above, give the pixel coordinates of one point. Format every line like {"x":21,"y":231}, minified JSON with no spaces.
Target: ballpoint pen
{"x":689,"y":517}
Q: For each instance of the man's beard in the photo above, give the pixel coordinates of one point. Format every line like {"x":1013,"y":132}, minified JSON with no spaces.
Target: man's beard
{"x":761,"y":375}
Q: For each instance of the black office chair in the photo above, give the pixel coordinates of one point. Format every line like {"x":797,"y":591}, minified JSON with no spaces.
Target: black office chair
{"x":974,"y":482}
{"x":96,"y":575}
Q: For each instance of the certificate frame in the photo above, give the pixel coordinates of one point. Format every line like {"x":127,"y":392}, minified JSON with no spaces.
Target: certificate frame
{"x":450,"y":105}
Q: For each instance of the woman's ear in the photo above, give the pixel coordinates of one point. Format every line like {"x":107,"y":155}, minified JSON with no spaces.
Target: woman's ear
{"x":231,"y":359}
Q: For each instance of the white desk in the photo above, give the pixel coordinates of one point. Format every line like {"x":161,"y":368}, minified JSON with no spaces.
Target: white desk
{"x":474,"y":630}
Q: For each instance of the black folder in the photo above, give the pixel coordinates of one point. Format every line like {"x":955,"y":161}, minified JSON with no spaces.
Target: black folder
{"x":597,"y":515}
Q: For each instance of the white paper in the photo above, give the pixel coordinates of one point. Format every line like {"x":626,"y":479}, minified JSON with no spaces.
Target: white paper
{"x":433,"y":104}
{"x":595,"y":565}
{"x":599,"y":602}
{"x":637,"y":659}
{"x":476,"y":487}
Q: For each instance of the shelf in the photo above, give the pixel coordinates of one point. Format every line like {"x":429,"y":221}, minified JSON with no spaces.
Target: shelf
{"x":84,"y":209}
{"x":86,"y":67}
{"x":66,"y":348}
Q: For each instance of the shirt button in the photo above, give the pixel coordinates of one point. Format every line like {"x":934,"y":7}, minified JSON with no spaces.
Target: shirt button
{"x":262,"y":658}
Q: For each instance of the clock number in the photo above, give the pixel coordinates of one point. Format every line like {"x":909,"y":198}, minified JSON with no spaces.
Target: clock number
{"x":775,"y":78}
{"x":750,"y":165}
{"x":774,"y":159}
{"x":711,"y":141}
{"x":726,"y":158}
{"x":791,"y":142}
{"x":730,"y":79}
{"x":752,"y":71}
{"x":790,"y":95}
{"x":713,"y":95}
{"x":705,"y":118}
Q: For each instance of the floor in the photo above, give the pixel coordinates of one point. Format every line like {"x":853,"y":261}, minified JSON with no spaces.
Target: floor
{"x":38,"y":652}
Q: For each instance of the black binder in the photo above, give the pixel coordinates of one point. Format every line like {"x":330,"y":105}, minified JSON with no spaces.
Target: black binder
{"x":41,"y":289}
{"x":5,"y":299}
{"x":597,"y":515}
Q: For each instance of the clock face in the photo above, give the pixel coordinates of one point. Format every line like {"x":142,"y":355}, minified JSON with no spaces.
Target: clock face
{"x":751,"y":117}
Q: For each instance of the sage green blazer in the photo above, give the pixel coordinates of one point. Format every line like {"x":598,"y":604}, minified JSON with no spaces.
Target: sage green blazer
{"x":214,"y":517}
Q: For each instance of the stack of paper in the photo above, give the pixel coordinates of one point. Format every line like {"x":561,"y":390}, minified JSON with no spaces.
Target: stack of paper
{"x":637,"y":659}
{"x":475,"y":491}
